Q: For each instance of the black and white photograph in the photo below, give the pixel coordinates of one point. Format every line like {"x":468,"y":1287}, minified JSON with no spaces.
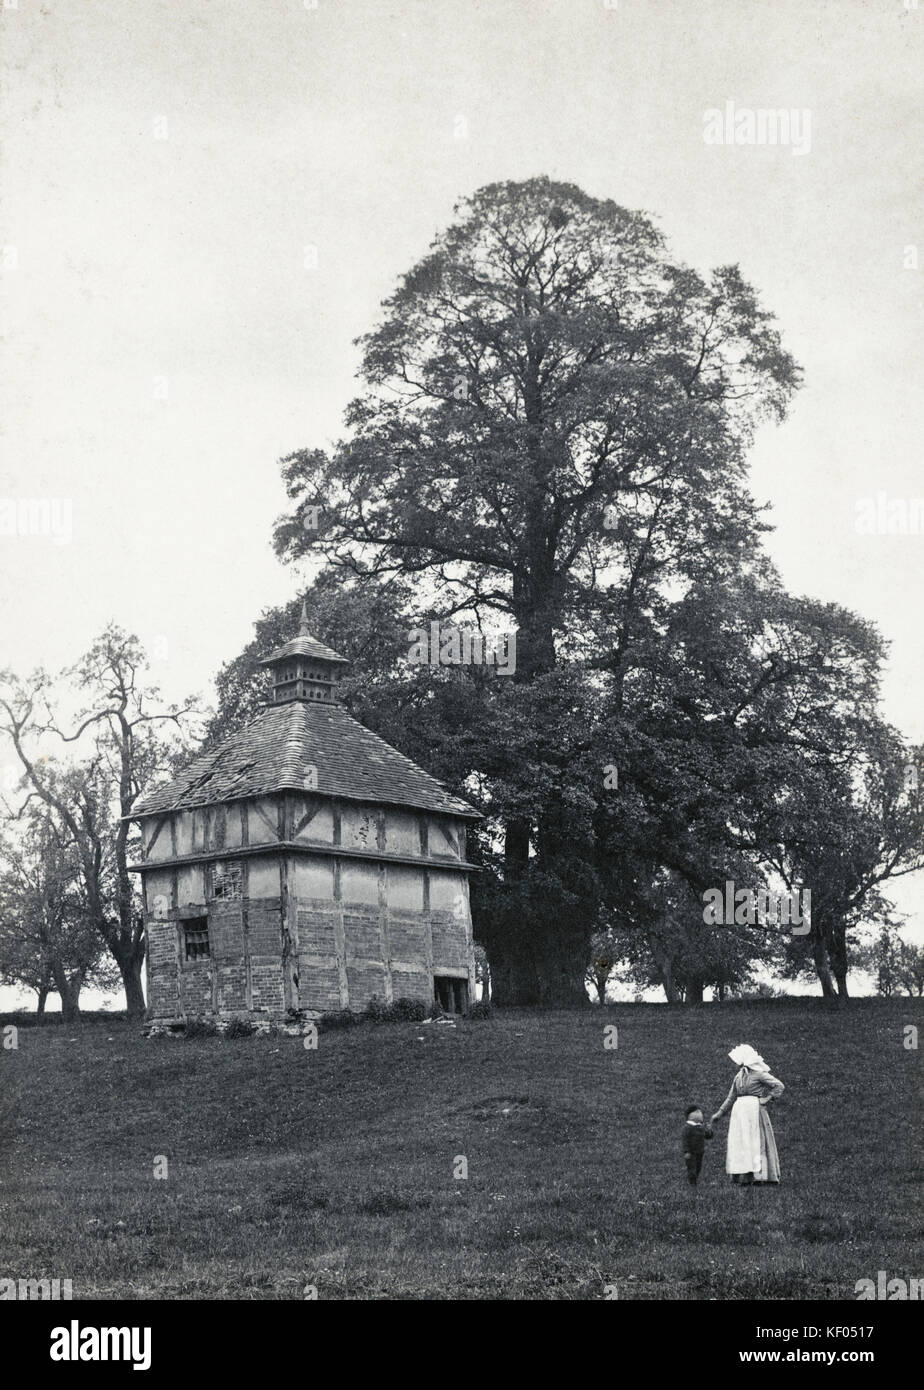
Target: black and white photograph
{"x":461,"y":721}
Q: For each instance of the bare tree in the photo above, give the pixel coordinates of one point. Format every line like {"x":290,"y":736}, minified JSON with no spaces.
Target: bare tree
{"x":47,"y":940}
{"x":118,"y":717}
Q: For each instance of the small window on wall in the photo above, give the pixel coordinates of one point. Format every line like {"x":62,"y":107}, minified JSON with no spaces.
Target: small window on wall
{"x":451,"y":993}
{"x":196,"y":938}
{"x":226,"y":880}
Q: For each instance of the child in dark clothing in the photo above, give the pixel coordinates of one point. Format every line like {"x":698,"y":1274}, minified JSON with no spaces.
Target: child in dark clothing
{"x":695,"y":1134}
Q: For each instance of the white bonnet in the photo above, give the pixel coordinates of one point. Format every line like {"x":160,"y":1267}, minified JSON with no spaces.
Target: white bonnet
{"x":744,"y":1056}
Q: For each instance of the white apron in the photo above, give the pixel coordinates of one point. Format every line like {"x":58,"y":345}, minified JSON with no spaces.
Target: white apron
{"x":743,"y":1152}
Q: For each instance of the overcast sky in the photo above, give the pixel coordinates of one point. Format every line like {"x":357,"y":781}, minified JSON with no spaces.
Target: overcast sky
{"x":166,"y":165}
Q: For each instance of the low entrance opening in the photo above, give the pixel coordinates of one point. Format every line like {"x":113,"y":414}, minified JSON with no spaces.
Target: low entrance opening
{"x":451,"y":993}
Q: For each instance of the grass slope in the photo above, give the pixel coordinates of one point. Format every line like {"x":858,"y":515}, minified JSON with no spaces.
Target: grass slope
{"x":335,"y":1168}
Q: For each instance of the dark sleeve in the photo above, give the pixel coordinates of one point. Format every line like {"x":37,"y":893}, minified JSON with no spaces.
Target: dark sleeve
{"x":707,"y":1131}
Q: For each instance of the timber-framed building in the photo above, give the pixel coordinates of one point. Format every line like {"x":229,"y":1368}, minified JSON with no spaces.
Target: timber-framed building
{"x":303,"y":865}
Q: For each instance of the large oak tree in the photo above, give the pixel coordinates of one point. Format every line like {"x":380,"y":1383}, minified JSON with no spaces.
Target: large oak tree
{"x":551,"y":436}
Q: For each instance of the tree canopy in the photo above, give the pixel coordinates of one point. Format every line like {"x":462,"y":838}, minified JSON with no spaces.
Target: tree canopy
{"x":551,"y":435}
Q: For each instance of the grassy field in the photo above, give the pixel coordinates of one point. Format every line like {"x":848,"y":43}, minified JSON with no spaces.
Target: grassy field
{"x":335,"y":1168}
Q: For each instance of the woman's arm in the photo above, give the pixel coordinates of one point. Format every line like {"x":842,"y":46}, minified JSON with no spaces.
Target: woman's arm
{"x":727,"y":1104}
{"x":776,"y":1088}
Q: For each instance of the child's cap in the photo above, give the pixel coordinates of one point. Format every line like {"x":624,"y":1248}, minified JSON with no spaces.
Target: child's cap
{"x":690,"y":1108}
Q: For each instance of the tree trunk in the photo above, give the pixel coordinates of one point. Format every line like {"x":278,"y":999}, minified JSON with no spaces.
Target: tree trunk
{"x":538,"y":963}
{"x":69,"y":990}
{"x":838,"y":958}
{"x":694,"y":992}
{"x":514,"y":983}
{"x":539,"y":969}
{"x":836,"y":942}
{"x":671,"y":992}
{"x":131,"y":982}
{"x":70,"y":1006}
{"x":561,"y":979}
{"x":513,"y":980}
{"x":40,"y":1006}
{"x":820,"y":957}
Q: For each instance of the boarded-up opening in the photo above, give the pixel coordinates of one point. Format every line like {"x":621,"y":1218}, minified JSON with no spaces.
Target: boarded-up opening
{"x":451,"y":993}
{"x":226,"y":880}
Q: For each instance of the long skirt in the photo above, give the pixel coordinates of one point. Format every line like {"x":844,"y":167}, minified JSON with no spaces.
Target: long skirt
{"x":751,"y":1155}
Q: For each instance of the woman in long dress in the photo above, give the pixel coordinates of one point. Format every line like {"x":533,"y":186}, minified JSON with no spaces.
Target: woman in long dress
{"x":751,"y":1156}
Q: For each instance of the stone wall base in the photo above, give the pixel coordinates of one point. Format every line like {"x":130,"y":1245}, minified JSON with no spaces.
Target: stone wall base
{"x":176,"y":1027}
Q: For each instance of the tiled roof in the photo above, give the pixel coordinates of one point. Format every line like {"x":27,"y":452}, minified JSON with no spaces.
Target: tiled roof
{"x":280,"y":748}
{"x":304,"y":645}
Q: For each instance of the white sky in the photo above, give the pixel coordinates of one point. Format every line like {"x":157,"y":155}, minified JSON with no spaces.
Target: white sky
{"x":339,"y":127}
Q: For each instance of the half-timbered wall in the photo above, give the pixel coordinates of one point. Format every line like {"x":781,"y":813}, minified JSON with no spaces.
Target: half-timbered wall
{"x":375,"y":910}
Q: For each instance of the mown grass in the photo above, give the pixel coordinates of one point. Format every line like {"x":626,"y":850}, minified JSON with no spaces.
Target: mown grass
{"x":335,"y":1168}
